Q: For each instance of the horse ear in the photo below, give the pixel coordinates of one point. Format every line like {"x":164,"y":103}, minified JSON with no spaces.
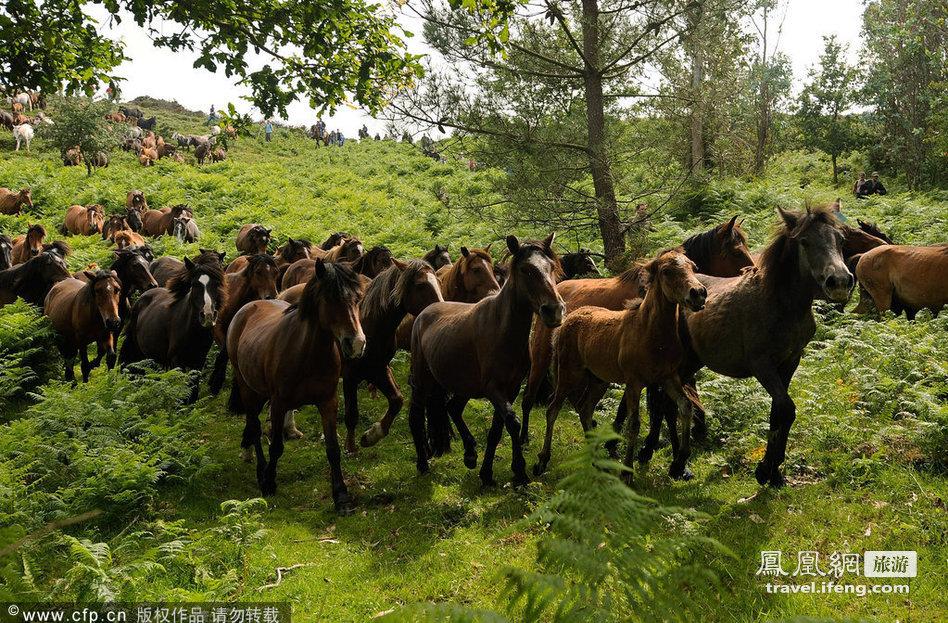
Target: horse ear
{"x":89,"y":274}
{"x":728,"y":227}
{"x":789,"y":218}
{"x":487,"y":248}
{"x":320,"y":268}
{"x":221,"y":255}
{"x":188,"y":263}
{"x":513,"y":244}
{"x":548,"y":242}
{"x":465,"y":252}
{"x":399,"y":264}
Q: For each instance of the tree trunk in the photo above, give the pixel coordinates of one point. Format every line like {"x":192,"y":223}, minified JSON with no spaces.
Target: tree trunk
{"x":698,"y":162}
{"x":763,"y":117}
{"x":835,"y":171}
{"x":610,"y":224}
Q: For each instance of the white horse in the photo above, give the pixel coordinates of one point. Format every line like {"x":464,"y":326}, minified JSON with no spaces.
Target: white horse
{"x":215,"y":130}
{"x":42,"y":118}
{"x":24,"y":100}
{"x":23,"y":133}
{"x":135,"y":132}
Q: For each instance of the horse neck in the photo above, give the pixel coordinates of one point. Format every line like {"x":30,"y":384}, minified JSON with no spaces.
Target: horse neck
{"x":512,"y":311}
{"x":658,"y":315}
{"x":783,"y":282}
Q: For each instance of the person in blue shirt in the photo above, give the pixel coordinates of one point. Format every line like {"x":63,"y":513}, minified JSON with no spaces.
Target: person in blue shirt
{"x":342,"y":139}
{"x":268,"y":129}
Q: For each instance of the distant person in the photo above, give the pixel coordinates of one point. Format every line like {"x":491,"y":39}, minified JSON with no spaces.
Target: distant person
{"x":837,"y":209}
{"x":340,"y":138}
{"x":875,"y":185}
{"x":858,"y":186}
{"x":212,"y":116}
{"x":268,"y":130}
{"x":378,"y":136}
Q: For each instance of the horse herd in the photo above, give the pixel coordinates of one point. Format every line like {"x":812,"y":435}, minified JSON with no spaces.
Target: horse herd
{"x":293,"y":319}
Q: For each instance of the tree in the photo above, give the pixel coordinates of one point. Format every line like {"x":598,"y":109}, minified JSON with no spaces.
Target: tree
{"x":824,"y":102}
{"x":553,"y":94}
{"x":772,"y":77}
{"x":905,"y":53}
{"x":325,"y":51}
{"x":80,"y":122}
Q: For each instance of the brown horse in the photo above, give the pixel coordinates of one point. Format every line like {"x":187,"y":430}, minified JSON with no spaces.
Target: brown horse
{"x":637,"y":347}
{"x":127,"y":238}
{"x":6,"y":252}
{"x":30,"y":245}
{"x":160,"y":222}
{"x":32,"y":280}
{"x":721,"y":252}
{"x":291,"y":355}
{"x":757,"y":325}
{"x":288,"y":253}
{"x":255,"y":282}
{"x":373,"y":262}
{"x":11,"y":202}
{"x":334,"y":239}
{"x":135,"y":200}
{"x":438,"y":256}
{"x":349,"y":250}
{"x":468,"y":280}
{"x":84,"y":220}
{"x":399,"y":290}
{"x":253,"y":238}
{"x":115,"y":223}
{"x":164,"y":268}
{"x":82,"y":313}
{"x":903,"y":278}
{"x":481,"y":350}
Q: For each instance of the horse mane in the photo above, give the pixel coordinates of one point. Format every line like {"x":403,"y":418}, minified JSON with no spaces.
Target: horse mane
{"x":772,"y":262}
{"x":381,"y":296}
{"x":333,"y":240}
{"x":180,"y":283}
{"x":339,"y":285}
{"x":59,"y":247}
{"x":366,"y":259}
{"x":36,"y":228}
{"x":530,"y":246}
{"x":700,"y":248}
{"x":873,"y":230}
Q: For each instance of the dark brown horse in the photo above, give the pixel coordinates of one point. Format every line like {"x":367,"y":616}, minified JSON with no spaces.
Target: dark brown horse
{"x":721,"y":252}
{"x":135,"y":200}
{"x":33,"y":279}
{"x":481,"y":350}
{"x":84,"y":220}
{"x":161,"y":222}
{"x":334,"y":240}
{"x":164,"y":268}
{"x":636,"y":347}
{"x":373,"y":262}
{"x":134,"y":219}
{"x":83,"y":312}
{"x":438,"y":256}
{"x":578,"y":264}
{"x":6,"y":252}
{"x":757,"y":325}
{"x":173,"y":326}
{"x":28,"y":246}
{"x":253,"y":238}
{"x":399,"y":290}
{"x":256,"y":282}
{"x":291,"y":355}
{"x":349,"y":250}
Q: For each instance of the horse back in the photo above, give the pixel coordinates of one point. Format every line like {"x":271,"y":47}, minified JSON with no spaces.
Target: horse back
{"x":918,"y":275}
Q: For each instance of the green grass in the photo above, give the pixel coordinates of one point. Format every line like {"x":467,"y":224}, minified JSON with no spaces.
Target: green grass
{"x":867,"y":455}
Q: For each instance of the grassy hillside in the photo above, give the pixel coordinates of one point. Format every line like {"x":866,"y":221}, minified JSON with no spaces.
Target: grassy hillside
{"x":866,"y":463}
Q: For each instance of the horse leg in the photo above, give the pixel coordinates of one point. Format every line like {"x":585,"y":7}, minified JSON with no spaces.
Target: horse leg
{"x":612,"y":446}
{"x":385,"y":383}
{"x":782,"y":415}
{"x":110,"y":355}
{"x":552,"y":412}
{"x":69,"y":357}
{"x":84,"y":365}
{"x":439,"y":426}
{"x":277,"y":414}
{"x":493,"y":438}
{"x":219,"y":373}
{"x":540,"y":363}
{"x":679,"y":466}
{"x":455,"y":409}
{"x":699,"y":426}
{"x":518,"y":464}
{"x":633,"y":392}
{"x":340,"y":494}
{"x":350,"y":396}
{"x":416,"y":423}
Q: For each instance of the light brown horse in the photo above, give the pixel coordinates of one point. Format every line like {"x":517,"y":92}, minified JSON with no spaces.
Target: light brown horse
{"x":758,"y":325}
{"x":84,"y":220}
{"x":349,"y":250}
{"x":637,"y":347}
{"x":127,"y":238}
{"x":253,"y":238}
{"x":11,"y":202}
{"x":292,"y":356}
{"x":82,"y":313}
{"x":481,"y":350}
{"x":468,"y":280}
{"x":29,"y":245}
{"x":160,"y":222}
{"x":904,"y":278}
{"x":720,"y":251}
{"x":114,"y":223}
{"x":255,"y":282}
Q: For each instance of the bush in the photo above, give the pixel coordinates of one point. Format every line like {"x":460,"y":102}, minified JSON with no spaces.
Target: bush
{"x":28,"y":354}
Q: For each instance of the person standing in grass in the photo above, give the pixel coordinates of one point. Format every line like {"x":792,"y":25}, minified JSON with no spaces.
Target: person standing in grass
{"x":268,"y":129}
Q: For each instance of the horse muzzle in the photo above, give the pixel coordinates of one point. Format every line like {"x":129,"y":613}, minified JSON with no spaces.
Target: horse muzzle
{"x":353,"y":346}
{"x":838,"y":286}
{"x":697,"y":298}
{"x":208,"y":319}
{"x":113,"y":324}
{"x":552,"y":315}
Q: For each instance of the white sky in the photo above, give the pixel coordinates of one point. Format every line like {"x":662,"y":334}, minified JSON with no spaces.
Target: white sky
{"x":170,"y":75}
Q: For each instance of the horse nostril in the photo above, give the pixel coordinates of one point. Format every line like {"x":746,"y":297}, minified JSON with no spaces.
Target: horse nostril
{"x":700,"y":292}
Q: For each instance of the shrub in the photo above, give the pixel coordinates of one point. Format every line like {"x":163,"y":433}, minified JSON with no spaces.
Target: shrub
{"x":28,"y":354}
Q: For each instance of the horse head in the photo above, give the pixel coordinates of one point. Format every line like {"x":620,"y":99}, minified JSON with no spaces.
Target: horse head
{"x":534,"y":269}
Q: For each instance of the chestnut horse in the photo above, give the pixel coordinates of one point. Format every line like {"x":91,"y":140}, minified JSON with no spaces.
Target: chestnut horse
{"x":438,"y":256}
{"x":404,"y":288}
{"x":291,"y":355}
{"x":637,"y":347}
{"x":114,"y":223}
{"x":6,"y":252}
{"x":127,"y":238}
{"x":255,"y":282}
{"x":83,"y":312}
{"x":481,"y":350}
{"x":135,"y":200}
{"x":721,"y":252}
{"x":160,"y":222}
{"x":253,"y":238}
{"x":30,"y":245}
{"x":758,"y":324}
{"x":84,"y":220}
{"x":173,"y":325}
{"x":904,"y":278}
{"x":164,"y":268}
{"x":285,"y":255}
{"x":33,"y":279}
{"x":349,"y":250}
{"x":11,"y":202}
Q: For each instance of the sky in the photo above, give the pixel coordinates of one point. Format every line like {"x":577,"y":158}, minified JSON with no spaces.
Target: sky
{"x":161,"y":73}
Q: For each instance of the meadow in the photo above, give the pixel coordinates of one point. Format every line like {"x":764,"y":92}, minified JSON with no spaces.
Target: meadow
{"x":173,"y":509}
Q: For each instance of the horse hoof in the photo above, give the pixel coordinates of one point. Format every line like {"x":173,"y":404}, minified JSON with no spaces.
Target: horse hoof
{"x":345,"y":505}
{"x":680,"y":473}
{"x":762,"y":473}
{"x":293,"y":433}
{"x":488,"y":483}
{"x":645,"y":455}
{"x":372,"y":436}
{"x":470,"y":460}
{"x":351,"y":448}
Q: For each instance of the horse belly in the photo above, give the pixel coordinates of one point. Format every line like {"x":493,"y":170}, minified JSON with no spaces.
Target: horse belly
{"x":921,"y":281}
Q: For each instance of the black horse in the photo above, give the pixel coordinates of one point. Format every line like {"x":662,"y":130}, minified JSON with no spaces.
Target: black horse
{"x":33,"y":279}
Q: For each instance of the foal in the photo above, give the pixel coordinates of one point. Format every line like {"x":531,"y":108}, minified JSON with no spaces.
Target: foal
{"x":481,"y":350}
{"x":83,"y":312}
{"x":28,"y":246}
{"x":291,"y":355}
{"x":636,"y":348}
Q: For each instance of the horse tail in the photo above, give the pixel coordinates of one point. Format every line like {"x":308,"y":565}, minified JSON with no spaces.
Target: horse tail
{"x":439,"y":424}
{"x":219,"y":372}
